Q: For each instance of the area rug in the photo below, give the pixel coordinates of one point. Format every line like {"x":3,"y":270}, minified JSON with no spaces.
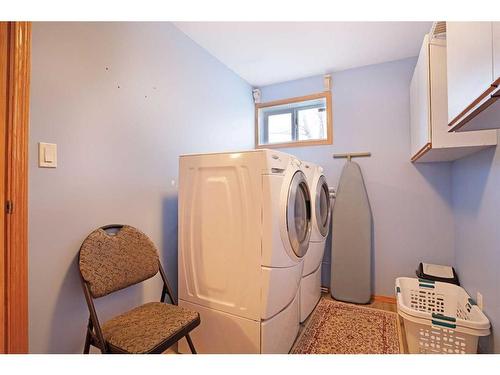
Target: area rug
{"x":343,"y":328}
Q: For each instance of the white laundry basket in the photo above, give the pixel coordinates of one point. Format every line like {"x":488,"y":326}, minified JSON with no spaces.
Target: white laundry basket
{"x":439,"y":317}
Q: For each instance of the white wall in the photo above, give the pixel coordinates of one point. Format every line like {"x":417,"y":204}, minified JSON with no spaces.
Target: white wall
{"x":411,"y":203}
{"x":122,"y":101}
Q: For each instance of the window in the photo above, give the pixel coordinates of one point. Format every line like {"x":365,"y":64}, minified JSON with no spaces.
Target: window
{"x":293,"y":122}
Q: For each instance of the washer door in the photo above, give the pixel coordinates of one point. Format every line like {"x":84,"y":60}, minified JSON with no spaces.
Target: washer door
{"x":298,"y":214}
{"x":322,"y":206}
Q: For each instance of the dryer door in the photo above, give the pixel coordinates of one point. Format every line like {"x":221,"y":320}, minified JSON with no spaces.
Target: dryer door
{"x":322,"y":206}
{"x":298,"y":214}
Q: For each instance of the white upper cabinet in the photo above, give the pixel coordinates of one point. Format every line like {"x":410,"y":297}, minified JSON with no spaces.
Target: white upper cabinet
{"x":473,"y":69}
{"x":420,"y":102}
{"x":430,"y":139}
{"x":470,"y":63}
{"x":496,"y":50}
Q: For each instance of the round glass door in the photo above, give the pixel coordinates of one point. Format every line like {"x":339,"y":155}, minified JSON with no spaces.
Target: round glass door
{"x":322,"y":206}
{"x":299,"y":214}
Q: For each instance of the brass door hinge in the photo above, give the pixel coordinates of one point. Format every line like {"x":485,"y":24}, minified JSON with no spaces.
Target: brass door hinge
{"x":9,"y":207}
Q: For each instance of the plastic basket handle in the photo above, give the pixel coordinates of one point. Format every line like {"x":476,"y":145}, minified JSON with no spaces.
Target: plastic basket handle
{"x":444,"y":324}
{"x":426,"y":286}
{"x":421,"y":280}
{"x":424,"y":283}
{"x":444,"y":317}
{"x":444,"y":320}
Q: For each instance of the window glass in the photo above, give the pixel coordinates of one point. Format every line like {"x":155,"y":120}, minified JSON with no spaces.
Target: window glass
{"x":324,"y":205}
{"x":311,"y":123}
{"x":301,"y":214}
{"x":279,"y":128}
{"x":294,"y":121}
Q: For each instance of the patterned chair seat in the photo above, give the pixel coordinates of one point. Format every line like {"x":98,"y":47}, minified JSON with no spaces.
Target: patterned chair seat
{"x":144,"y":328}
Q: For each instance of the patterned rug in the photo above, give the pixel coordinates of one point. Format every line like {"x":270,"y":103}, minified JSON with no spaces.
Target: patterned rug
{"x":342,"y":328}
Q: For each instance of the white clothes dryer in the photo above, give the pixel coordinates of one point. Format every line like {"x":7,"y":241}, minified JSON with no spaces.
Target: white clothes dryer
{"x":310,"y":286}
{"x":244,"y":229}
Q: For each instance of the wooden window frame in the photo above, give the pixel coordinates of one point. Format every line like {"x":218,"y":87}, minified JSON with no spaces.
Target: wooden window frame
{"x":15,"y":61}
{"x":327,"y":95}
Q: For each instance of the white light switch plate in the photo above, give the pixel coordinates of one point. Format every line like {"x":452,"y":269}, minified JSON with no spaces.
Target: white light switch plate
{"x":47,"y":155}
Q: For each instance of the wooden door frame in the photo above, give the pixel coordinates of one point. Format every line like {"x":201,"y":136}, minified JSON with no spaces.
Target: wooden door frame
{"x":15,"y":59}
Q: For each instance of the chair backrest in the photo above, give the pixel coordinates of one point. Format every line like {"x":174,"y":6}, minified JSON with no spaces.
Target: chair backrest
{"x":110,"y":262}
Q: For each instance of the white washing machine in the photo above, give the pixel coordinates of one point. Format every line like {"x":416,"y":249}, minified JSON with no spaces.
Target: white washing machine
{"x":310,"y":286}
{"x":244,"y":228}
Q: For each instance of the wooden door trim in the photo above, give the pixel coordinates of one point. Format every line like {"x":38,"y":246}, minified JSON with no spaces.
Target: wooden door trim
{"x":16,"y":188}
{"x":3,"y":154}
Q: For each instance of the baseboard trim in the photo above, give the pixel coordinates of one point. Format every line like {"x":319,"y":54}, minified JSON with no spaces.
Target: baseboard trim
{"x":385,"y":299}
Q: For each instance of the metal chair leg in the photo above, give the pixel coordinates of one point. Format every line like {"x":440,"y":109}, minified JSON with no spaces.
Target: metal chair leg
{"x":86,"y":349}
{"x":88,"y":338}
{"x":190,"y":343}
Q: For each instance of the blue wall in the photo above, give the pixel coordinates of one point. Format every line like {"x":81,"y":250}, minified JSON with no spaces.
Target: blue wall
{"x":411,"y":203}
{"x":476,"y":205}
{"x":122,"y":101}
{"x":445,"y":213}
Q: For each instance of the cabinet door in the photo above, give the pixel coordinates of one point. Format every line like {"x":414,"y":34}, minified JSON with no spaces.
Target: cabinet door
{"x":469,"y":62}
{"x":420,"y":101}
{"x":496,"y":50}
{"x":438,"y":94}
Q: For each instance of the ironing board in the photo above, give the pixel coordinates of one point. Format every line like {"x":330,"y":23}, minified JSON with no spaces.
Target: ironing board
{"x":352,"y":227}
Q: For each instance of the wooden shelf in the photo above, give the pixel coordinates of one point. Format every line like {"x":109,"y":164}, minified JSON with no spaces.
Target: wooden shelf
{"x":482,"y":114}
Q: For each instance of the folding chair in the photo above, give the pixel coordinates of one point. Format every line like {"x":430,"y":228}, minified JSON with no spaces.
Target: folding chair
{"x":115,"y":257}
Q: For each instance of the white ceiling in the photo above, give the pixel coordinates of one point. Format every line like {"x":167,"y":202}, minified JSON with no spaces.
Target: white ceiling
{"x":263,"y":53}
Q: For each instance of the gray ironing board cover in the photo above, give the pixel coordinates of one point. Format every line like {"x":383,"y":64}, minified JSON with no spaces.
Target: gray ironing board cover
{"x":352,"y":226}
